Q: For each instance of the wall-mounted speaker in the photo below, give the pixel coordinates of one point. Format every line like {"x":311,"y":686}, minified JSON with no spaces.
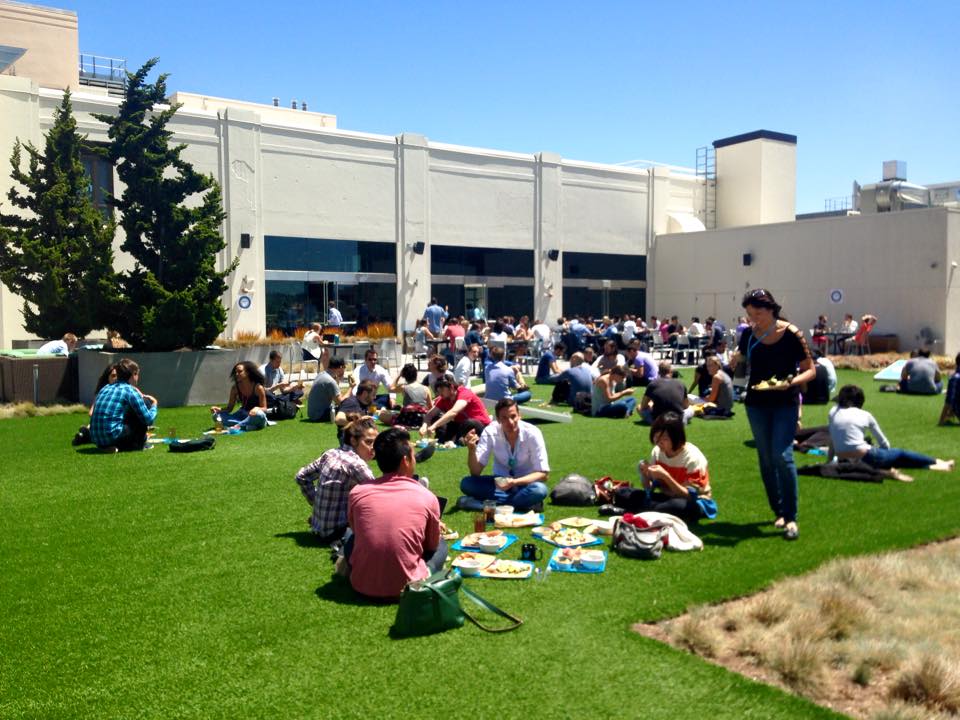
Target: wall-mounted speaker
{"x":747,"y":259}
{"x":419,"y":247}
{"x":245,"y":240}
{"x":553,"y":254}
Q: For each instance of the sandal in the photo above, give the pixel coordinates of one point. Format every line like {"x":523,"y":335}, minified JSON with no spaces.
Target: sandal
{"x":779,"y":523}
{"x":792,"y":532}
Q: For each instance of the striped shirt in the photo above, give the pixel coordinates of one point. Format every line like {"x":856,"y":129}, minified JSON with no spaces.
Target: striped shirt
{"x":326,"y":484}
{"x":110,"y":409}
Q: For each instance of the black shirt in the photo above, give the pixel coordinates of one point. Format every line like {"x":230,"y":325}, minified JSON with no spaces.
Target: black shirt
{"x":667,"y":395}
{"x":779,"y":360}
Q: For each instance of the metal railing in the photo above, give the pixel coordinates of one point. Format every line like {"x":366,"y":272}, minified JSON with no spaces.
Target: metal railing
{"x":103,"y":71}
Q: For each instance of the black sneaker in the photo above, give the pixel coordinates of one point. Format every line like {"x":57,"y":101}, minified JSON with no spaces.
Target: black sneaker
{"x":538,"y":507}
{"x":609,"y":509}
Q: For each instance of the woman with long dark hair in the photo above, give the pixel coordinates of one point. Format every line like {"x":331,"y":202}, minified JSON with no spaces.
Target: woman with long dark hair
{"x":248,"y":390}
{"x":774,"y":350}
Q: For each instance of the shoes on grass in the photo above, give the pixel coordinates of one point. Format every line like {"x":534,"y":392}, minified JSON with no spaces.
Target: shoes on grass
{"x":792,"y":532}
{"x":608,"y":509}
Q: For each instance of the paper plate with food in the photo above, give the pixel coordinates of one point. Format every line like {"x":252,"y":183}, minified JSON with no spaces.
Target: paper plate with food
{"x":491,"y":541}
{"x":446,"y":533}
{"x":774,"y":383}
{"x":556,"y":534}
{"x":577,"y":522}
{"x":471,"y":563}
{"x":516,"y":520}
{"x":578,"y":560}
{"x":508,"y":570}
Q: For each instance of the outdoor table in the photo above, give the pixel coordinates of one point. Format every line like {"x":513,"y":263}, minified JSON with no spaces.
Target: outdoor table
{"x":834,"y":338}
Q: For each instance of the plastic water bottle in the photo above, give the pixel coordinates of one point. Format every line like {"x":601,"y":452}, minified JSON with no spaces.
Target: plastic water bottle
{"x":218,"y":422}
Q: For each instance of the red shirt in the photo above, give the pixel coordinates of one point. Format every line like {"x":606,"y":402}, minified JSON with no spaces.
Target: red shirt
{"x":454,"y":331}
{"x":395,"y":520}
{"x":475,"y":409}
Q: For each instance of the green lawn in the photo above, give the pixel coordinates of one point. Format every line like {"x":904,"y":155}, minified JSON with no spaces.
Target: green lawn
{"x":163,"y":585}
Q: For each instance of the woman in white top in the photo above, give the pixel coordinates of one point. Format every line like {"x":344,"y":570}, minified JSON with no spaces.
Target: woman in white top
{"x":848,"y":424}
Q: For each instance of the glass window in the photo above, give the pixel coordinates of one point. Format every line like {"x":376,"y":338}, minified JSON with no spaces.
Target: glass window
{"x":293,"y":304}
{"x":449,"y":296}
{"x":100,"y":175}
{"x":292,"y":253}
{"x":600,"y":266}
{"x":482,"y":262}
{"x":586,"y":301}
{"x":512,"y":300}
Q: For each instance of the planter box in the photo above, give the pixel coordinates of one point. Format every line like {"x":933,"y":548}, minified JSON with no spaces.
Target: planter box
{"x":56,"y":379}
{"x":884,"y":343}
{"x":200,"y":377}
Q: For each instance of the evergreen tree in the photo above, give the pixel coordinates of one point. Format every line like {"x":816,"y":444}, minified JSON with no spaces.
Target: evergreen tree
{"x":173,"y":292}
{"x":57,"y":253}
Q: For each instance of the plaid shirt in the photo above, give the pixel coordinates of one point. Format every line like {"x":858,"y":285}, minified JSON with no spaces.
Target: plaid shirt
{"x":326,"y":484}
{"x":111,"y":407}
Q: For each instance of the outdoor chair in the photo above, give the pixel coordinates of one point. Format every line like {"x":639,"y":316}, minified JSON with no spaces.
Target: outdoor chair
{"x":531,"y":357}
{"x":305,"y":360}
{"x":390,"y":356}
{"x":420,"y":352}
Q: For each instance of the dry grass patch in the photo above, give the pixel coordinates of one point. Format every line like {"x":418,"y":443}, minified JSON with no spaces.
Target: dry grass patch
{"x":28,"y":409}
{"x":872,"y":637}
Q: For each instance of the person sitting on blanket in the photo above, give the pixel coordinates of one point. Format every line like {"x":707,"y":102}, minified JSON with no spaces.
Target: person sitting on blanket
{"x":675,"y":480}
{"x":328,"y":480}
{"x":520,"y":464}
{"x":122,"y":413}
{"x":394,"y":523}
{"x":248,"y":390}
{"x":848,"y":423}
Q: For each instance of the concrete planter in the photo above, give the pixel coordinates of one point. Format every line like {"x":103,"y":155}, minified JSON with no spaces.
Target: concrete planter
{"x":56,"y":379}
{"x":200,"y":377}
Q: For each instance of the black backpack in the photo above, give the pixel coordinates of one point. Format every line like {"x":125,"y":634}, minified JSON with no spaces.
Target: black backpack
{"x":582,"y":404}
{"x":281,"y":407}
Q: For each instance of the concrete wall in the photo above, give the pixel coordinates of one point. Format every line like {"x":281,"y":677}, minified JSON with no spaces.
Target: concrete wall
{"x":896,"y":266}
{"x":756,"y":183}
{"x":51,"y":39}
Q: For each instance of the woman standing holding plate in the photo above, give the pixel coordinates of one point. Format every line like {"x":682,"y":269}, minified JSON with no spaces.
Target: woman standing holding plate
{"x":774,"y":348}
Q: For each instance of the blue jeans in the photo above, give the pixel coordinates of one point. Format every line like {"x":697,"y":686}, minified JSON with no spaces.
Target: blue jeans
{"x":886,"y":458}
{"x":773,"y":430}
{"x":482,"y":487}
{"x":434,"y":559}
{"x":522,"y":397}
{"x":621,"y":408}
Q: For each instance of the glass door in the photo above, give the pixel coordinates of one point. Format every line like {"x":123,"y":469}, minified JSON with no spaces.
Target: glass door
{"x":475,"y":301}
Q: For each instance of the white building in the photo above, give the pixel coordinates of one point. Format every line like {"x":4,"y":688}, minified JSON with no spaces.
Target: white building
{"x":382,"y":223}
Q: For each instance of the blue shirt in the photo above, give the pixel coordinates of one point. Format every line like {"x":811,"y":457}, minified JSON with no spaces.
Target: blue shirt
{"x":544,"y":368}
{"x":434,"y":315}
{"x":499,"y":379}
{"x":111,"y":407}
{"x":581,"y":380}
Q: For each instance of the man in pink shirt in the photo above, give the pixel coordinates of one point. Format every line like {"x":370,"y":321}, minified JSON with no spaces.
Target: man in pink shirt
{"x":456,"y":411}
{"x":395,"y":523}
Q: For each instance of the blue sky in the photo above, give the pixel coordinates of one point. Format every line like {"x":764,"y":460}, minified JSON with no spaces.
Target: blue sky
{"x":857,"y":82}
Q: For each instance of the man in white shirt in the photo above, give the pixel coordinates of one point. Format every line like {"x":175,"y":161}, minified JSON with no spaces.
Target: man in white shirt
{"x":464,"y":368}
{"x":629,"y":329}
{"x":334,"y":318}
{"x":520,"y":464}
{"x":541,"y":331}
{"x":696,"y":329}
{"x":63,"y":346}
{"x":312,"y":342}
{"x":378,"y":375}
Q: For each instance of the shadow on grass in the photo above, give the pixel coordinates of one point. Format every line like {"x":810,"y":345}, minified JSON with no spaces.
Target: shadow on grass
{"x":339,"y":590}
{"x":750,"y":444}
{"x":305,"y":539}
{"x":730,"y":534}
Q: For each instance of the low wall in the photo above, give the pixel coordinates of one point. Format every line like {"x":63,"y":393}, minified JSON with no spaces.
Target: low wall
{"x":199,"y":377}
{"x":56,"y":376}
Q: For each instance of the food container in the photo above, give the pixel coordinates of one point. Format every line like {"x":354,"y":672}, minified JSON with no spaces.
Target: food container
{"x":469,"y":568}
{"x":591,"y":559}
{"x":501,"y":482}
{"x":505,"y":510}
{"x":490,"y":544}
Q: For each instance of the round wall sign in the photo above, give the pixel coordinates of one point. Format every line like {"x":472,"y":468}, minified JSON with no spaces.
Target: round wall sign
{"x":244,"y":301}
{"x":836,"y":296}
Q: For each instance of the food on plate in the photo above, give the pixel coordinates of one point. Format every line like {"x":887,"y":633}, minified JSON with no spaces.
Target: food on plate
{"x":576,"y":522}
{"x":446,"y":533}
{"x":565,"y":536}
{"x":507,"y":569}
{"x":513,"y":520}
{"x":773,"y":383}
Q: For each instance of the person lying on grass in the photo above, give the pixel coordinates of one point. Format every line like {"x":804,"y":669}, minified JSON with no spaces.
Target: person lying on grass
{"x":848,"y":423}
{"x":327,"y":481}
{"x":248,"y":390}
{"x":675,"y":479}
{"x":121,"y":413}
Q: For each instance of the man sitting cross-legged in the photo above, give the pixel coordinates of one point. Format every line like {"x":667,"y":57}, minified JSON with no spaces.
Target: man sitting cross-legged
{"x":456,"y":411}
{"x":395,"y":524}
{"x":520,"y":465}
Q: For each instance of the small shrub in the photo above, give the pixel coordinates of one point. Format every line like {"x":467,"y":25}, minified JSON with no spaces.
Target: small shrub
{"x":929,"y":683}
{"x":899,"y":712}
{"x":862,"y":673}
{"x":697,"y":633}
{"x":246,"y":337}
{"x":800,"y":663}
{"x":770,"y":609}
{"x":842,"y":614}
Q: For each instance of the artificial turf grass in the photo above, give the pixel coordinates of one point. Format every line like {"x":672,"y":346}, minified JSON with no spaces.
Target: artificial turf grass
{"x":158,"y":584}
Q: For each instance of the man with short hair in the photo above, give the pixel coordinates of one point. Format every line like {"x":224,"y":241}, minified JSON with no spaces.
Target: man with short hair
{"x":548,"y":369}
{"x":641,"y":367}
{"x":64,"y":346}
{"x":325,"y":391}
{"x":500,"y":379}
{"x":455,"y":412}
{"x":434,"y":315}
{"x":334,"y":318}
{"x":121,"y":413}
{"x":629,"y":330}
{"x":520,"y":465}
{"x":464,"y":368}
{"x":610,"y":359}
{"x":578,"y":378}
{"x":276,"y":379}
{"x":921,"y":375}
{"x":395,"y":524}
{"x":358,"y":402}
{"x":590,"y":360}
{"x":665,"y":394}
{"x":372,"y":372}
{"x":312,"y":342}
{"x":541,"y":331}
